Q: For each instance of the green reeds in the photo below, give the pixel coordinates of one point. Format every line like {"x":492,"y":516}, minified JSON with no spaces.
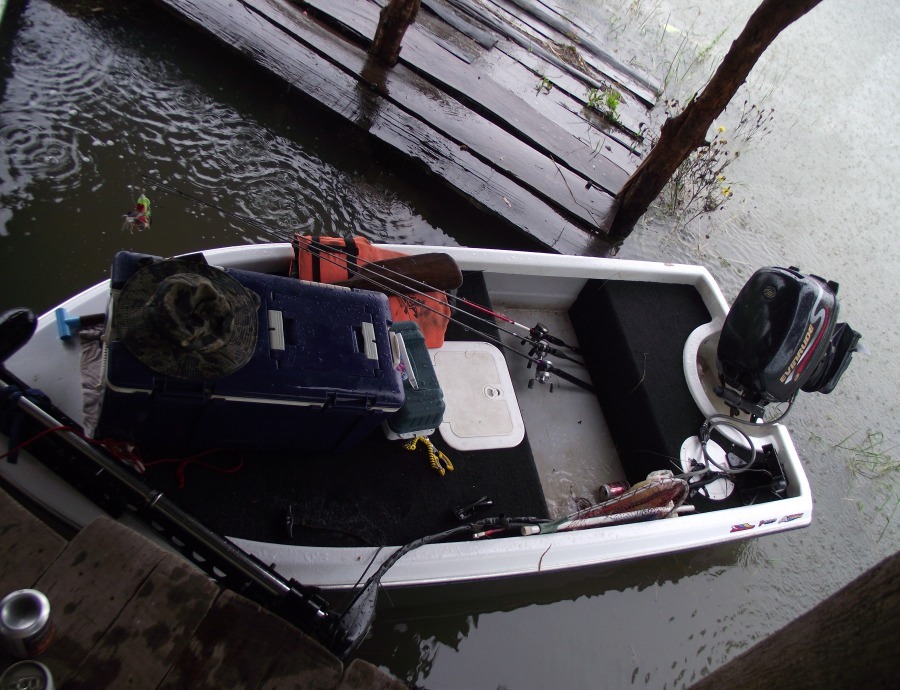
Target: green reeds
{"x":871,"y":459}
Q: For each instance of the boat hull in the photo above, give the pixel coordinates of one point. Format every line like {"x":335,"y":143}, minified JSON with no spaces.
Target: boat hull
{"x":540,"y":281}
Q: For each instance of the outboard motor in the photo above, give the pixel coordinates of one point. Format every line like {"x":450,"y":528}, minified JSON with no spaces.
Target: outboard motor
{"x":782,"y":336}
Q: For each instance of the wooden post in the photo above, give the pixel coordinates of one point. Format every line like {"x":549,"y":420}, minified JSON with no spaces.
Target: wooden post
{"x":682,"y":134}
{"x":850,"y":640}
{"x":393,"y":21}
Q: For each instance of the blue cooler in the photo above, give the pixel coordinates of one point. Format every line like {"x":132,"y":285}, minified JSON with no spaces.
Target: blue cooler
{"x":322,"y":375}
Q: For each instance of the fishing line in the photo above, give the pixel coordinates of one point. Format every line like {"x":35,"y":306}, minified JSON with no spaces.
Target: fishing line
{"x":372,"y":276}
{"x":497,"y":341}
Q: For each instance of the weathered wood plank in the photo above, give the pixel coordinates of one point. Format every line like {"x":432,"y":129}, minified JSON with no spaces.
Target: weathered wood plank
{"x":127,"y":613}
{"x":550,"y":15}
{"x":544,"y":175}
{"x":247,"y":32}
{"x":302,"y":664}
{"x":28,"y":546}
{"x":511,"y":27}
{"x":240,"y":645}
{"x":631,"y":119}
{"x":89,"y":584}
{"x":151,"y":631}
{"x":461,"y":23}
{"x":559,"y":106}
{"x":517,"y":128}
{"x":361,"y":675}
{"x":631,"y":111}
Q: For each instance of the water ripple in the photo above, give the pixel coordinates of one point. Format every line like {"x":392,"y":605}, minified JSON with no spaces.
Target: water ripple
{"x":30,"y":152}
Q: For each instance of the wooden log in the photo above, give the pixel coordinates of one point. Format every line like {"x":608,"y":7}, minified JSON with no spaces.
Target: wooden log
{"x":393,"y":20}
{"x":686,"y":132}
{"x":850,"y":640}
{"x":28,"y":546}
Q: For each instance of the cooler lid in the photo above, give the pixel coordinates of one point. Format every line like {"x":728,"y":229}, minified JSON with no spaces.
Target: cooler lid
{"x":319,"y":343}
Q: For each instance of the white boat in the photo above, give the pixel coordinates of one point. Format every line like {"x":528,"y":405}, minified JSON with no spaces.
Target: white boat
{"x":648,"y":335}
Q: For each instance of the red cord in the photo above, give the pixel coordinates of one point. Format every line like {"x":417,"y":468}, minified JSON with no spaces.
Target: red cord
{"x":195,"y":460}
{"x":36,"y":437}
{"x":127,"y":453}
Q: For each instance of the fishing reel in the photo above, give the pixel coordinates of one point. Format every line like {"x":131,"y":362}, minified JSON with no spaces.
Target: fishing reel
{"x":540,"y":333}
{"x":538,"y":356}
{"x":543,"y":370}
{"x":542,"y":344}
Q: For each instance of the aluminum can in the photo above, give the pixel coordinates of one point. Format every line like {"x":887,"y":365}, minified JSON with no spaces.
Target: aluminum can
{"x":27,"y":675}
{"x":25,"y":624}
{"x":608,"y":491}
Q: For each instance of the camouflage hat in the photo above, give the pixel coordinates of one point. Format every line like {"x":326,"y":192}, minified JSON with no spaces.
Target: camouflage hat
{"x":186,"y":319}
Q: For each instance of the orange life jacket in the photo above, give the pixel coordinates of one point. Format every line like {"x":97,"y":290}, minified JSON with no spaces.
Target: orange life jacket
{"x":325,"y":259}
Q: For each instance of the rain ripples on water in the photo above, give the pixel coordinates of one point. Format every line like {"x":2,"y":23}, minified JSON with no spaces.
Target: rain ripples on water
{"x":110,"y":108}
{"x":43,"y":132}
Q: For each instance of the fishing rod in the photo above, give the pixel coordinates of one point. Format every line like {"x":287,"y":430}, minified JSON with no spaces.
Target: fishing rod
{"x":544,"y":367}
{"x":538,"y":332}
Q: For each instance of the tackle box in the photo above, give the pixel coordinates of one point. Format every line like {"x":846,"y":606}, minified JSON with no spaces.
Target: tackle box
{"x":322,"y":376}
{"x":423,"y":409}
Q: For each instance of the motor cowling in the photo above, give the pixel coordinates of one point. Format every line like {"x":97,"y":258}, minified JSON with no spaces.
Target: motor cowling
{"x":781,"y":336}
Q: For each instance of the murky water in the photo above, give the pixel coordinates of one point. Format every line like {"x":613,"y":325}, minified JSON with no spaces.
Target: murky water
{"x":90,"y":105}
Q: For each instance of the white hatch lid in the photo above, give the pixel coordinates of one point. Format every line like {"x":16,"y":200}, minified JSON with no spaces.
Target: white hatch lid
{"x":481,"y":408}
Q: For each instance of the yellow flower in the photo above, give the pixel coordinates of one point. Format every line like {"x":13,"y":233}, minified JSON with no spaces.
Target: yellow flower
{"x":720,"y":178}
{"x":721,"y":129}
{"x":726,"y":191}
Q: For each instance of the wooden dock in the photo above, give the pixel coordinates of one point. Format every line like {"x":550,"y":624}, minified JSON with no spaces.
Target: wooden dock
{"x":490,"y":98}
{"x":128,"y":613}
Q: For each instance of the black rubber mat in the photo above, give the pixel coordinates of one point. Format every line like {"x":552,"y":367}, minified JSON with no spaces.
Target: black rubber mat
{"x":632,"y":335}
{"x":378,"y":493}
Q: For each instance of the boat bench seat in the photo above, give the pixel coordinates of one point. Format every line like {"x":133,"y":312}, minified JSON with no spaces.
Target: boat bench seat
{"x":632,"y":336}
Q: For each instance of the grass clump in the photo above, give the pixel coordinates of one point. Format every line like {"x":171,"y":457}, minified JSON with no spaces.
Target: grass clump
{"x":605,"y":102}
{"x":701,"y":185}
{"x":869,"y":458}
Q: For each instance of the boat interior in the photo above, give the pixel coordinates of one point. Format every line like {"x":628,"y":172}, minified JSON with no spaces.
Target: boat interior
{"x":631,"y":337}
{"x":558,"y":449}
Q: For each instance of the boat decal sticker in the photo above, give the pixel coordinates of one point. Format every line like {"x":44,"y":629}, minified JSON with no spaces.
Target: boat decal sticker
{"x":767,"y":522}
{"x":741,"y":527}
{"x":791,"y":518}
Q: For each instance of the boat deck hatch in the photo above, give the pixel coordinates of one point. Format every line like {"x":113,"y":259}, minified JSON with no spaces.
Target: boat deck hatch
{"x":481,"y":407}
